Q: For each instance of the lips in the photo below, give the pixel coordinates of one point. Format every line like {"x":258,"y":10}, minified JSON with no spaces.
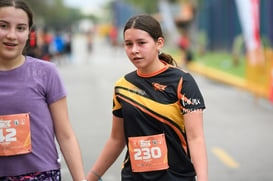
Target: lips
{"x":137,"y":58}
{"x":10,"y":44}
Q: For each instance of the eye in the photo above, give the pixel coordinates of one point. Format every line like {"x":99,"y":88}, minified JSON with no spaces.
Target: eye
{"x":142,"y":43}
{"x":21,"y":28}
{"x":128,"y":44}
{"x":3,"y":26}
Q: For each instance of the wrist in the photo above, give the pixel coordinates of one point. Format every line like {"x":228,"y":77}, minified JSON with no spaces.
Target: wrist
{"x":96,"y":175}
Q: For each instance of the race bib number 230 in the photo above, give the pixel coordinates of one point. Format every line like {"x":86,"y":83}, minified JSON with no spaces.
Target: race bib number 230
{"x":15,"y":137}
{"x":148,"y":153}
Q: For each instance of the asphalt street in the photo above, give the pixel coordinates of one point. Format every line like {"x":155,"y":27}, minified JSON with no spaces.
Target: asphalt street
{"x":238,"y":127}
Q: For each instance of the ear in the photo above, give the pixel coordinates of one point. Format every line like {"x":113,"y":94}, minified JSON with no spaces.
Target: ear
{"x":160,"y":43}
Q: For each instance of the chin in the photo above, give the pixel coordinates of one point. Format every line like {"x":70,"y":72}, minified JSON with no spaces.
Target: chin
{"x":10,"y":56}
{"x":137,"y":65}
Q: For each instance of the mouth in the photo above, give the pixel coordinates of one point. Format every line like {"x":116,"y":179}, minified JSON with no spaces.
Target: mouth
{"x":137,"y":58}
{"x":8,"y":44}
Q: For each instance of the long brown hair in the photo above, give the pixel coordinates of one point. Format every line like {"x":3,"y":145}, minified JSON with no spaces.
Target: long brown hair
{"x":152,"y":27}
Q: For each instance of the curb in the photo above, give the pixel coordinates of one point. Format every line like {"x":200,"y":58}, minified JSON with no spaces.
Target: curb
{"x":228,"y":79}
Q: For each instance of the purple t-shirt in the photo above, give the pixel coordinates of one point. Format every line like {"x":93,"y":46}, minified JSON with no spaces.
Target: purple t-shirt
{"x":31,"y":88}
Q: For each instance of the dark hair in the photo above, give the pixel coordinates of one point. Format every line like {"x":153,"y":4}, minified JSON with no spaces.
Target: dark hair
{"x":19,"y":4}
{"x":150,"y":25}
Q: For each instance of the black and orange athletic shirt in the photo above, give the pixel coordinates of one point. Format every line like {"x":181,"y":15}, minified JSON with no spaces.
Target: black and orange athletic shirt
{"x":154,"y":104}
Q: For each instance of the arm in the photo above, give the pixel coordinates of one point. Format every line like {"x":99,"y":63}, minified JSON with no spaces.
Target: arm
{"x":196,"y":141}
{"x":112,"y":149}
{"x":67,"y":139}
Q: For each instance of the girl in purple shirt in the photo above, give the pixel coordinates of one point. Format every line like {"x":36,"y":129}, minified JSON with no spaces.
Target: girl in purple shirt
{"x":31,"y":93}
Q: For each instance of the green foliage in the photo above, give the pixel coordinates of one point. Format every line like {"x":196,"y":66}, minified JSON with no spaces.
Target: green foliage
{"x":148,"y":6}
{"x":54,"y":13}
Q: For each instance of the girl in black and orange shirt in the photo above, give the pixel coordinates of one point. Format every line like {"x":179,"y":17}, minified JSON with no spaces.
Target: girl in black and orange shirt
{"x":157,"y":114}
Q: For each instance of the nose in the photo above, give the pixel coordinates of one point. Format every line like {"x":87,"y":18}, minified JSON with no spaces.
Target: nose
{"x":135,"y":49}
{"x":11,"y":34}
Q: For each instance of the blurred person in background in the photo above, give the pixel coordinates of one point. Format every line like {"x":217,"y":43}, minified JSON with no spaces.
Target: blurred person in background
{"x":184,"y":45}
{"x":46,"y":39}
{"x":68,"y":44}
{"x":33,"y":107}
{"x":157,"y":114}
{"x":90,"y":39}
{"x":57,"y":47}
{"x":185,"y":22}
{"x":32,"y":48}
{"x":113,"y":35}
{"x":38,"y":44}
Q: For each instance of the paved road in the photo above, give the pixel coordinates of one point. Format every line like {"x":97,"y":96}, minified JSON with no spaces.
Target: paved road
{"x":238,"y":128}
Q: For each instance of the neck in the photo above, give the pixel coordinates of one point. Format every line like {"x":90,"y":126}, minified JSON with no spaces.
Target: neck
{"x":157,"y":66}
{"x":8,"y":64}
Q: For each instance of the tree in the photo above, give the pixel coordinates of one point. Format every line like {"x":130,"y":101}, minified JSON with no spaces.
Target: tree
{"x":54,"y":13}
{"x":150,"y":6}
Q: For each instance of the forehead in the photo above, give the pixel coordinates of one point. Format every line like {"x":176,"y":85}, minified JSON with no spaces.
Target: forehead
{"x":13,"y":15}
{"x":134,"y":34}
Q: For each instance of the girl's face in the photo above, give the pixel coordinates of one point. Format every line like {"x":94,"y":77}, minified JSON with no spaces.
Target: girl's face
{"x":14,"y":30}
{"x":142,"y":50}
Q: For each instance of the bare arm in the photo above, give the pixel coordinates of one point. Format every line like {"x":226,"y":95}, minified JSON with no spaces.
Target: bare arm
{"x":196,"y":141}
{"x":112,"y":149}
{"x":67,"y":140}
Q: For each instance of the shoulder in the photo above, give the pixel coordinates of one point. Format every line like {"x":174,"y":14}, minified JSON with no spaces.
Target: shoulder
{"x":126,"y":78}
{"x":181,"y":72}
{"x":121,"y":81}
{"x":40,"y":69}
{"x":37,"y":61}
{"x":131,"y":75}
{"x":177,"y":70}
{"x":174,"y":74}
{"x":39,"y":64}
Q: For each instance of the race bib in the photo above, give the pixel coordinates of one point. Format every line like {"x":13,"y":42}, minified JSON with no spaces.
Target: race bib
{"x":15,"y":136}
{"x":148,"y":153}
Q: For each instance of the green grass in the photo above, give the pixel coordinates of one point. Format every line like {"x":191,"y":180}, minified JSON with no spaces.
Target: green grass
{"x":223,"y":61}
{"x":219,"y":60}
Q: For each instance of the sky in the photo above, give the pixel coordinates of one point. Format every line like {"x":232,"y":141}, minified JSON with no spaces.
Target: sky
{"x":86,"y":5}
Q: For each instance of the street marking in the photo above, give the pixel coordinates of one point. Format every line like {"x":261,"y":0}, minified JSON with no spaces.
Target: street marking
{"x":225,"y":158}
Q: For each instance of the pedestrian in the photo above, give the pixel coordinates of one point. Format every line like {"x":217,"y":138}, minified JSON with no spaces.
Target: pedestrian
{"x":184,"y":46}
{"x":157,"y":114}
{"x":33,"y":107}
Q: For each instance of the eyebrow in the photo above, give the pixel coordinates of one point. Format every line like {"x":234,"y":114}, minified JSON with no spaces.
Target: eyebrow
{"x":140,"y":39}
{"x":3,"y":21}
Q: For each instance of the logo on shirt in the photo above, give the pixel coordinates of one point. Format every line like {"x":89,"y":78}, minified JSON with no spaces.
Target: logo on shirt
{"x":158,"y":86}
{"x":190,"y":101}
